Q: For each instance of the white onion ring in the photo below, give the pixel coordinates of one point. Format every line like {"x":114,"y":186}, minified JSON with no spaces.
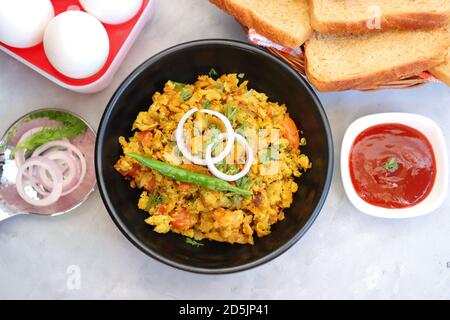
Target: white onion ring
{"x":69,"y":147}
{"x":35,"y":184}
{"x":54,"y":172}
{"x":70,"y":173}
{"x":179,"y":136}
{"x":248,"y":162}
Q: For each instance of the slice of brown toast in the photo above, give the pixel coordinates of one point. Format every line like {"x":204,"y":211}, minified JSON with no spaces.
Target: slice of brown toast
{"x":360,"y":16}
{"x":342,"y":62}
{"x":442,"y":71}
{"x":283,"y":21}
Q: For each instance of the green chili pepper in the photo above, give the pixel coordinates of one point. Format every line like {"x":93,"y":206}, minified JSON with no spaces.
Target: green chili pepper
{"x":183,"y":175}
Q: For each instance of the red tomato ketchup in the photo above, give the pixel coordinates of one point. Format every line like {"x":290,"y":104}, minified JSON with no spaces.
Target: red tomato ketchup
{"x":392,"y":166}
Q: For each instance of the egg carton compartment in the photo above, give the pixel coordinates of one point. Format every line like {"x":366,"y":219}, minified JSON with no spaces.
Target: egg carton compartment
{"x":121,"y":38}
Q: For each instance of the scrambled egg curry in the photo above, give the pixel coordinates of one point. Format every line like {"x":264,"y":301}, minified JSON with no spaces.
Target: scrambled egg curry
{"x":199,"y":213}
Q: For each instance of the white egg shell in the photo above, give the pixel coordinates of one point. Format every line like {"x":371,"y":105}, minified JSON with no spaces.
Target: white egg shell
{"x":23,"y":22}
{"x":112,"y":11}
{"x":76,"y":44}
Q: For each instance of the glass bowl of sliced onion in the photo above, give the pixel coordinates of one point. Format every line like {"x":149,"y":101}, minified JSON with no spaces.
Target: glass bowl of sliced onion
{"x":46,"y":164}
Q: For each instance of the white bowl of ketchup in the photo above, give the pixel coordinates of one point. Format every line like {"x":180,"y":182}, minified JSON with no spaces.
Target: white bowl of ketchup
{"x":395,"y":165}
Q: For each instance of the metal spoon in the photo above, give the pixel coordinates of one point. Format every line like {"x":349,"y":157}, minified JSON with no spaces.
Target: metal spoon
{"x":11,"y":204}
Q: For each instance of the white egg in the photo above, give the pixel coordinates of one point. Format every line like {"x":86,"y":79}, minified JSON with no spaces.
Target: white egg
{"x":76,"y":44}
{"x":23,"y":22}
{"x":112,"y":11}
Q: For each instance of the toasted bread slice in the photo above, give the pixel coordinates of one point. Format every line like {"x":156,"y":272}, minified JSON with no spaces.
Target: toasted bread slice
{"x":283,"y":21}
{"x":341,"y":62}
{"x":359,"y":16}
{"x":442,"y":71}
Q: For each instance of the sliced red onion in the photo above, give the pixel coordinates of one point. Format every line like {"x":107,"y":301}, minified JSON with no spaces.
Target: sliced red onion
{"x":56,"y":176}
{"x":248,"y":163}
{"x":71,"y":173}
{"x":35,"y":183}
{"x":66,"y":145}
{"x":179,"y":135}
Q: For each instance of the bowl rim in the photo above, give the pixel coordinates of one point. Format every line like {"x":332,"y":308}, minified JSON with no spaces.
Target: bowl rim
{"x":123,"y":87}
{"x":431,"y":131}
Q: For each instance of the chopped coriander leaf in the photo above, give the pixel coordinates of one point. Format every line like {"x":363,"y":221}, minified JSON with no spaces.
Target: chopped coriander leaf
{"x":193,"y":242}
{"x":230,"y":169}
{"x":242,"y":128}
{"x":220,"y":86}
{"x":391,"y":165}
{"x":268,"y":155}
{"x":214,"y":137}
{"x":206,"y":104}
{"x":179,"y":86}
{"x":244,"y":183}
{"x":222,"y":165}
{"x":274,"y":153}
{"x":233,"y":113}
{"x":230,"y":111}
{"x":233,"y":169}
{"x":263,"y":157}
{"x":154,"y":199}
{"x":186,"y":95}
{"x":212,"y":73}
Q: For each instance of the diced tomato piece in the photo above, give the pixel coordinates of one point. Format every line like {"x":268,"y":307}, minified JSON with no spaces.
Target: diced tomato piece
{"x":184,"y":186}
{"x":290,"y":132}
{"x":181,"y":220}
{"x":162,"y":209}
{"x":145,"y":138}
{"x":150,"y":185}
{"x":132,"y":173}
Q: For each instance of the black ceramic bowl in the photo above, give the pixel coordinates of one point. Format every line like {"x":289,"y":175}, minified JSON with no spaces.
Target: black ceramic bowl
{"x":184,"y":63}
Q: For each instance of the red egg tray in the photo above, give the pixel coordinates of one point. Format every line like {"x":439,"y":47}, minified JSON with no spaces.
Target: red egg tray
{"x":121,"y":38}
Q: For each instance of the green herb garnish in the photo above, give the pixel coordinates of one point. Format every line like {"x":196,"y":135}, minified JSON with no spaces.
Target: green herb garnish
{"x":194,"y":243}
{"x":206,"y":104}
{"x":220,"y":86}
{"x":71,"y":127}
{"x":186,"y":94}
{"x":242,"y":128}
{"x":232,"y":169}
{"x":231,"y":112}
{"x":214,"y":137}
{"x":154,"y":199}
{"x":268,"y":155}
{"x":213,"y":73}
{"x":391,"y":165}
{"x":244,"y":183}
{"x":222,"y":166}
{"x":179,"y":86}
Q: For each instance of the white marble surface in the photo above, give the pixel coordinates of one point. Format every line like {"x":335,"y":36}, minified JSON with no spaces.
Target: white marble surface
{"x":344,"y":255}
